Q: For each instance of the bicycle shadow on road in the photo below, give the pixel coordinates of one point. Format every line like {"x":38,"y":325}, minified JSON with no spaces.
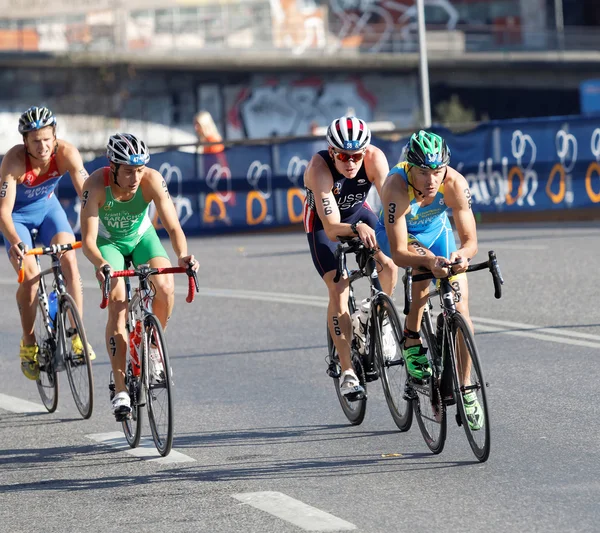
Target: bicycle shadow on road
{"x":273,"y":435}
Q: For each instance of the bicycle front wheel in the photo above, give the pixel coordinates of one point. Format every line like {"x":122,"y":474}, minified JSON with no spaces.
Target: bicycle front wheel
{"x":472,"y":399}
{"x":392,"y":369}
{"x":47,"y":381}
{"x":160,"y":396}
{"x":354,"y":410}
{"x":428,"y":404}
{"x":78,"y":365}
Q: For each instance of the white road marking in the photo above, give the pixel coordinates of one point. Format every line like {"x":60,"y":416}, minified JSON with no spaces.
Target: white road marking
{"x":16,"y":405}
{"x":484,"y":324}
{"x":513,"y":246}
{"x":145,"y":450}
{"x":539,"y":329}
{"x":294,"y":511}
{"x":537,"y":336}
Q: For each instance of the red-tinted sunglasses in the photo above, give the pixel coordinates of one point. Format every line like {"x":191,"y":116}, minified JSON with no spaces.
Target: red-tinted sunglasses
{"x":344,"y":158}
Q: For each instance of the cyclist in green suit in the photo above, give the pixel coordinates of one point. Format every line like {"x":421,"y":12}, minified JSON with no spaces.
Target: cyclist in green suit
{"x":115,"y":225}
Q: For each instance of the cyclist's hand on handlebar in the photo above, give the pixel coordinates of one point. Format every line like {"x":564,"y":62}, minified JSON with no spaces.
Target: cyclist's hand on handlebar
{"x":188,"y":261}
{"x":438,"y":266}
{"x":460,"y":263}
{"x":17,"y":251}
{"x":367,"y":235}
{"x":100,"y":272}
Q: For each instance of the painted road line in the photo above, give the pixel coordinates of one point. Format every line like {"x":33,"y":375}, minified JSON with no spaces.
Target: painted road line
{"x":294,"y":511}
{"x":537,"y":336}
{"x":146,"y":449}
{"x":559,"y":331}
{"x":16,"y":405}
{"x":509,"y":246}
{"x":549,"y":334}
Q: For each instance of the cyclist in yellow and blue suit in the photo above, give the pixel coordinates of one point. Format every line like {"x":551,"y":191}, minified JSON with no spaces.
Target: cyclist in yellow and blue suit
{"x":427,"y":224}
{"x":416,"y":198}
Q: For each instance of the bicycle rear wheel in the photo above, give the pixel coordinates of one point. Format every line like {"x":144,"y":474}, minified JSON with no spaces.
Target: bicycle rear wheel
{"x":354,"y":410}
{"x":160,"y":396}
{"x":47,"y":382}
{"x":132,"y":426}
{"x":475,"y":417}
{"x":428,"y":404}
{"x":392,"y":368}
{"x":78,"y":366}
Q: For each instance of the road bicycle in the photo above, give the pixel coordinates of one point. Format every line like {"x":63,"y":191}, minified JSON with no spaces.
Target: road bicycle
{"x":57,"y":323}
{"x":375,"y":359}
{"x":455,"y":363}
{"x":148,"y":376}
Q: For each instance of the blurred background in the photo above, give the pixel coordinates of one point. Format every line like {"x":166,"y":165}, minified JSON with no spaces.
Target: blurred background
{"x":267,"y":76}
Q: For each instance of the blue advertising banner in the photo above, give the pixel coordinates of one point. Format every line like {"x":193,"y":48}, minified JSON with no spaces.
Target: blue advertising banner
{"x":516,"y":165}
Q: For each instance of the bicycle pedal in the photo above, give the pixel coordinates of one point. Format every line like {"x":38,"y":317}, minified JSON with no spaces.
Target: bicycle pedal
{"x":372,"y":375}
{"x":355,"y":396}
{"x":332,"y":371}
{"x":122,"y":414}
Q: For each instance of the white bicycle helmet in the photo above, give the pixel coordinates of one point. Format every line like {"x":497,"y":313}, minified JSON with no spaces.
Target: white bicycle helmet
{"x":348,"y":133}
{"x":36,"y":118}
{"x":127,"y":149}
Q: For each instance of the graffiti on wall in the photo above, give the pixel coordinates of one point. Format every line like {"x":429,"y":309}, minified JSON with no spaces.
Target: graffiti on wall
{"x":274,"y":109}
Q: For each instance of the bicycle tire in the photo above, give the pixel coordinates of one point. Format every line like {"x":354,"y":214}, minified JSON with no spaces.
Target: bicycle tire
{"x":132,"y":426}
{"x":79,"y":369}
{"x":479,"y":439}
{"x":354,"y":410}
{"x":160,"y":416}
{"x":392,"y":372}
{"x":47,"y":381}
{"x":428,"y":405}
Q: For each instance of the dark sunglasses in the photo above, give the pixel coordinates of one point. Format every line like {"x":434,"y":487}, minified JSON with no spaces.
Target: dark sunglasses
{"x":344,"y":158}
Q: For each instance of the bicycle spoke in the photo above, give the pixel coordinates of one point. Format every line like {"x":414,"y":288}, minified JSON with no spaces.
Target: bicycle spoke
{"x":391,"y":363}
{"x":427,"y":401}
{"x":78,"y":365}
{"x":473,"y":407}
{"x":354,"y":410}
{"x":159,"y":400}
{"x":47,"y":382}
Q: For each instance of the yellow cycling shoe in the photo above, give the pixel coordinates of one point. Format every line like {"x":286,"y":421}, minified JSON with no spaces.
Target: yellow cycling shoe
{"x":29,"y":361}
{"x":77,"y":346}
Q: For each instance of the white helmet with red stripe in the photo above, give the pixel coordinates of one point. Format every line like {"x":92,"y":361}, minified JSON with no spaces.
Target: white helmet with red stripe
{"x":348,"y":133}
{"x":127,"y":149}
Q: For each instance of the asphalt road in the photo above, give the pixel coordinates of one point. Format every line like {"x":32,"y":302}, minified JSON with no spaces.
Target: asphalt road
{"x":260,"y":435}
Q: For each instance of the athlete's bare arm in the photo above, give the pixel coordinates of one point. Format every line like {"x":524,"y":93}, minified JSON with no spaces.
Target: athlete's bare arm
{"x":11,"y":171}
{"x":155,"y":188}
{"x":71,"y":161}
{"x":93,"y":197}
{"x":319,"y":180}
{"x":377,"y":167}
{"x":458,"y":197}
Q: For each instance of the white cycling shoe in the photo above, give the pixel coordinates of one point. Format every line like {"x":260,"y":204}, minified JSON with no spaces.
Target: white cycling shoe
{"x":121,"y":406}
{"x":350,"y":387}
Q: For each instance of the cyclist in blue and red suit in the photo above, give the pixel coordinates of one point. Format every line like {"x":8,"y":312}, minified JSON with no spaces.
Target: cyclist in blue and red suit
{"x":30,"y":173}
{"x":337,"y":182}
{"x":416,"y":197}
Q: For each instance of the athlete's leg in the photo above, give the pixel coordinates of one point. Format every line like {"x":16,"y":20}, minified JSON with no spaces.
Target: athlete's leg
{"x":444,"y":245}
{"x":55,"y":229}
{"x":27,"y":290}
{"x":116,"y":331}
{"x":164,"y":285}
{"x":387,"y":271}
{"x":149,"y":250}
{"x":338,"y":316}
